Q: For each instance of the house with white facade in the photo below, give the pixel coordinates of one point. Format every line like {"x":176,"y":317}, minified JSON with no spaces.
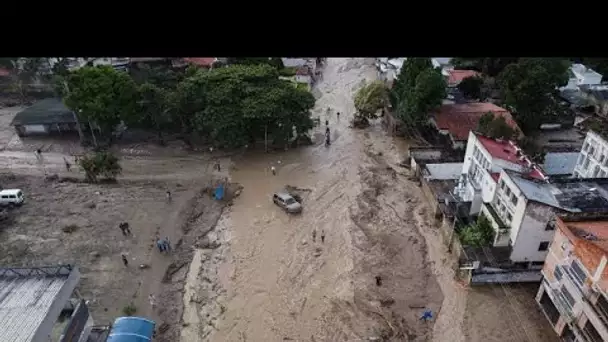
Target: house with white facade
{"x":593,"y":157}
{"x":581,"y":75}
{"x":524,"y":209}
{"x":484,"y":159}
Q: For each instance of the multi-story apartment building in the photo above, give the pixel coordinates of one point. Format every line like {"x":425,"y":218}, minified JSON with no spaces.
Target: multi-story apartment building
{"x":593,"y":158}
{"x":581,"y":75}
{"x":484,"y":159}
{"x":523,"y":211}
{"x":574,"y":291}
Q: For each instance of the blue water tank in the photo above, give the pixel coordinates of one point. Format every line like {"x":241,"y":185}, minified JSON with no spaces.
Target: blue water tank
{"x":131,"y":329}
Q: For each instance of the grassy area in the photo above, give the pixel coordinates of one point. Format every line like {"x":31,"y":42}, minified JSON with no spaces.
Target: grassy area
{"x":288,"y":71}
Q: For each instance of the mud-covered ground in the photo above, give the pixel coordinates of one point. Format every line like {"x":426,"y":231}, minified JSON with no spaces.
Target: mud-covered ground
{"x":249,"y":271}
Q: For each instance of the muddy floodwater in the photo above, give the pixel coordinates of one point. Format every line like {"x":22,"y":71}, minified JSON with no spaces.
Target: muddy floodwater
{"x":248,"y":271}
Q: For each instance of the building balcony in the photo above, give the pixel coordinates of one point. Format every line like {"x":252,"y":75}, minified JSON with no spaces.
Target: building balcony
{"x":558,"y":299}
{"x":502,"y":236}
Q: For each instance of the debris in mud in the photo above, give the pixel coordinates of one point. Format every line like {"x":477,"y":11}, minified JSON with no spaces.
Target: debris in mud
{"x":70,"y":228}
{"x":360,"y":122}
{"x":296,"y":192}
{"x":90,"y":205}
{"x":173,"y":268}
{"x":51,"y":178}
{"x":387,"y":302}
{"x":94,"y":255}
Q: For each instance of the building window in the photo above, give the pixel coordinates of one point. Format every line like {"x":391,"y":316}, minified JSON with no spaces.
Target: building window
{"x":509,"y":217}
{"x":508,"y":192}
{"x":502,"y":184}
{"x":514,"y":199}
{"x":557,"y":273}
{"x":592,"y":333}
{"x":579,"y":274}
{"x":543,"y":246}
{"x":568,"y":296}
{"x":550,"y":225}
{"x":586,"y":163}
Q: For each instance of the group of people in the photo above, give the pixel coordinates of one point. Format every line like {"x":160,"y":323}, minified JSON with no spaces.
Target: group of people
{"x":164,"y":245}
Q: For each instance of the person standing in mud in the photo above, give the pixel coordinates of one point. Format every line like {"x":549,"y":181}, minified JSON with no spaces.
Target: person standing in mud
{"x":152,"y":300}
{"x":273,"y":170}
{"x":167,"y":244}
{"x":160,"y":245}
{"x":67,"y":164}
{"x":314,"y":235}
{"x":124,"y":260}
{"x":168,"y":196}
{"x":323,"y":236}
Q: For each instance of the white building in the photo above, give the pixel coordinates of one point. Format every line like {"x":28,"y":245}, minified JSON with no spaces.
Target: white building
{"x":442,"y":63}
{"x":593,"y":158}
{"x":581,"y":75}
{"x":523,"y":210}
{"x":484,"y":159}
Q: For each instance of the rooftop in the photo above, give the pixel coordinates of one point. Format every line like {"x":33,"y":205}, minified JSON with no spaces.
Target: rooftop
{"x":200,"y":61}
{"x":595,"y":232}
{"x":559,"y":163}
{"x":509,"y":151}
{"x":459,"y":119}
{"x":443,"y":171}
{"x":456,"y":76}
{"x":574,"y":195}
{"x":47,"y":111}
{"x":26,"y":298}
{"x":581,"y":70}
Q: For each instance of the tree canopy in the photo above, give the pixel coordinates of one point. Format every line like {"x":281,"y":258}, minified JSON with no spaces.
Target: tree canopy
{"x":478,"y":234}
{"x":529,"y":88}
{"x":471,"y":87}
{"x":102,"y":95}
{"x":490,"y":66}
{"x":419,"y":89}
{"x":370,"y":98}
{"x":495,"y":127}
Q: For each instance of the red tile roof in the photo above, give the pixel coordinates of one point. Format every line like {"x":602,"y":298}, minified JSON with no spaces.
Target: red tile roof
{"x":459,"y":119}
{"x":456,"y":76}
{"x":495,"y":176}
{"x":200,"y":61}
{"x":509,"y":151}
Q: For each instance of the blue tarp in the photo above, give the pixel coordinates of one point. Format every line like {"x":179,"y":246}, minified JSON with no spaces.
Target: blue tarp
{"x":131,"y":329}
{"x":219,"y":192}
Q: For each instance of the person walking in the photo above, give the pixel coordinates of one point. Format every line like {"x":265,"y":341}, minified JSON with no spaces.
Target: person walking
{"x":314,"y":235}
{"x":217,"y":166}
{"x":124,"y":260}
{"x":273,"y":170}
{"x":160,"y":245}
{"x":167,"y":244}
{"x":338,"y":114}
{"x":152,"y":300}
{"x":67,"y":164}
{"x":168,"y":196}
{"x":124,"y":227}
{"x":323,"y":236}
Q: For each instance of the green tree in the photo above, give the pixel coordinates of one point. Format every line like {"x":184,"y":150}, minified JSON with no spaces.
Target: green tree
{"x":478,"y":234}
{"x":406,"y":80}
{"x":97,"y":164}
{"x":425,"y":96}
{"x":23,"y":73}
{"x":154,"y":110}
{"x":370,"y":98}
{"x":240,"y":104}
{"x":102,"y":95}
{"x":248,"y":60}
{"x":495,"y":127}
{"x":471,"y":87}
{"x":490,"y":66}
{"x":529,"y":88}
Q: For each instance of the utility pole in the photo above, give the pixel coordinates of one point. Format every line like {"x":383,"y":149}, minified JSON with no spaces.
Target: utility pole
{"x":80,"y":134}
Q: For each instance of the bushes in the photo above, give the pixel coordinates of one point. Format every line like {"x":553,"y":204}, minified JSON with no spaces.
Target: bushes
{"x":288,"y":71}
{"x":478,"y":234}
{"x":103,"y":164}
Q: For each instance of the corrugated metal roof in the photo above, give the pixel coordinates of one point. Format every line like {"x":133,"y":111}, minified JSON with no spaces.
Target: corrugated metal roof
{"x":560,"y":163}
{"x":24,"y":304}
{"x":47,"y":111}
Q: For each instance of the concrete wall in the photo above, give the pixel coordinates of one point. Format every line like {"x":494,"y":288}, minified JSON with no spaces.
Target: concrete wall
{"x":532,"y":232}
{"x":430,"y":197}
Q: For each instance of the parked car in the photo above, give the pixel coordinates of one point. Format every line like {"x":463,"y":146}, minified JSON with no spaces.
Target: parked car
{"x":287,"y":202}
{"x":11,"y":197}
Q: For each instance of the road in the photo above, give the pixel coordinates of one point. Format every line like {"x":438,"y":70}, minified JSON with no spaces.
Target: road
{"x":283,"y":285}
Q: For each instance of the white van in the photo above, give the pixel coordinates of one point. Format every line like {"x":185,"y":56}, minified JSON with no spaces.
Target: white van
{"x":11,"y":197}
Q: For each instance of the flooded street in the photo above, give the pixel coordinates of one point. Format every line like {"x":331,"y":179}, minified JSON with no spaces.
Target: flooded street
{"x":247,"y":271}
{"x":281,"y":284}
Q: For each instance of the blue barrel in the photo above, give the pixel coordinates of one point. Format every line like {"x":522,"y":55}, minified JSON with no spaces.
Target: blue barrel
{"x":131,"y":329}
